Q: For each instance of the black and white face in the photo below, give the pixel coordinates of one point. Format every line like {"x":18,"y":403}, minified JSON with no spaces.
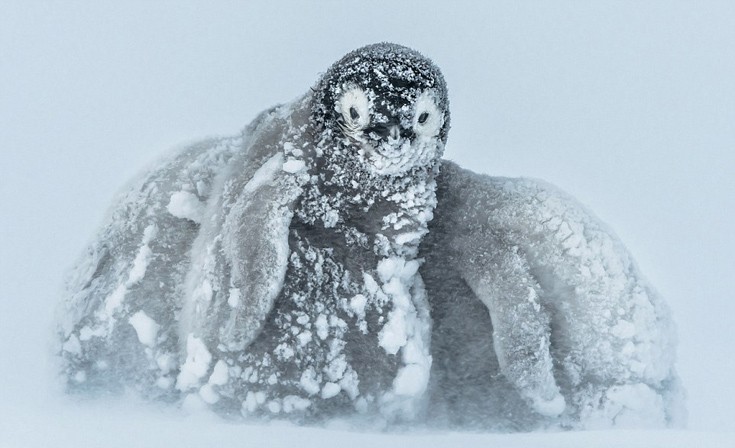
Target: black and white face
{"x":394,"y":132}
{"x":389,"y":104}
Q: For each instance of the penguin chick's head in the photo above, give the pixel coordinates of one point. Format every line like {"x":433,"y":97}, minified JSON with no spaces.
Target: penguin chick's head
{"x":388,"y":105}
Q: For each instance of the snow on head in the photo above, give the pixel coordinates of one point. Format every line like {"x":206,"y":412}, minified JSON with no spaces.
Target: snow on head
{"x":390,"y":105}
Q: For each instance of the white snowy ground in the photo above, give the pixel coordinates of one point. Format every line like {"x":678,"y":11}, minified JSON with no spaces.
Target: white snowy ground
{"x":127,"y":426}
{"x":628,"y":106}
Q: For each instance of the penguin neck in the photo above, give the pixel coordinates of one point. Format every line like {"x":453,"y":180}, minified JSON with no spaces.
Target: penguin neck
{"x":387,"y":215}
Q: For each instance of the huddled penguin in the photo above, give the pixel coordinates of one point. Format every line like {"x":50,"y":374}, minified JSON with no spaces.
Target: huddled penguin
{"x":326,"y":263}
{"x":276,"y":273}
{"x":541,"y":318}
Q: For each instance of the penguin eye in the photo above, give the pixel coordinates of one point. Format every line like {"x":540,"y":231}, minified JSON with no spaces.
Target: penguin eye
{"x":354,"y":106}
{"x":428,"y":118}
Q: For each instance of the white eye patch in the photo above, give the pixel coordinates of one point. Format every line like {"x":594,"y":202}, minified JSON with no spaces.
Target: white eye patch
{"x":354,"y":106}
{"x":427,"y":118}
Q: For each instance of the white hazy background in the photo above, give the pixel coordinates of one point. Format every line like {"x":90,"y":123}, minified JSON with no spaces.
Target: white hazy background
{"x":627,"y":105}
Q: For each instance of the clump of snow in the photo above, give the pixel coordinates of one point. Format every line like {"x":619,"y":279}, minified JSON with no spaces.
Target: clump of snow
{"x":145,"y":328}
{"x":284,"y":352}
{"x":140,"y":264}
{"x":322,"y":326}
{"x":274,"y":407}
{"x":358,"y":303}
{"x":293,"y":165}
{"x":142,"y":258}
{"x":234,"y":299}
{"x":253,"y":400}
{"x":393,"y":334}
{"x":549,"y":408}
{"x":186,"y":205}
{"x":220,"y":374}
{"x":411,"y":380}
{"x":370,"y":284}
{"x":330,"y":390}
{"x":407,"y":330}
{"x":309,"y":382}
{"x":196,"y":365}
{"x":304,"y":338}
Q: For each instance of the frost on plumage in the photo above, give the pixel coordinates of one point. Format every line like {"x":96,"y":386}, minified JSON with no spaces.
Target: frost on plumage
{"x":326,"y":263}
{"x":575,"y":328}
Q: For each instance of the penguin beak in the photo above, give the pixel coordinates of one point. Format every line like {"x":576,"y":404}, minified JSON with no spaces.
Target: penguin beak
{"x":394,"y":133}
{"x":390,"y":132}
